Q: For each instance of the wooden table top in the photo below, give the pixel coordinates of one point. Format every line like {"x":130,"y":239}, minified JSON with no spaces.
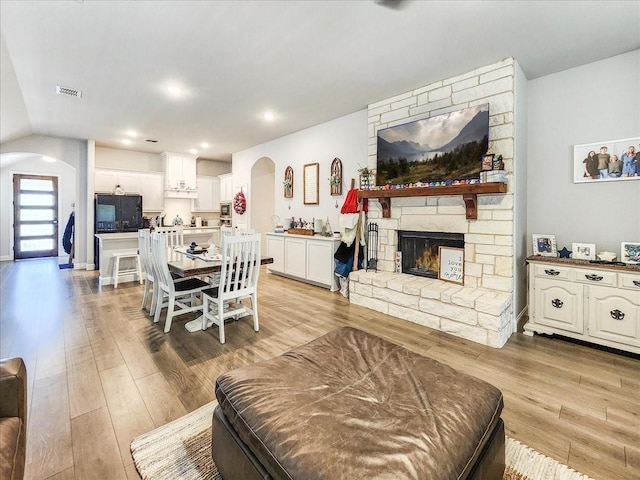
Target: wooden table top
{"x":190,"y":265}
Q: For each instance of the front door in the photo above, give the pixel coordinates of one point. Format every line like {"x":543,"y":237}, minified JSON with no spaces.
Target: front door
{"x":35,"y":216}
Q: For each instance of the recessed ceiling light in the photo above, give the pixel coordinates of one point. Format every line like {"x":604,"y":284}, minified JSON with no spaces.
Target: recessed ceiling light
{"x":126,"y":141}
{"x":48,"y":159}
{"x":269,"y":116}
{"x":204,"y":145}
{"x":193,"y":151}
{"x":132,"y":133}
{"x":174,"y":90}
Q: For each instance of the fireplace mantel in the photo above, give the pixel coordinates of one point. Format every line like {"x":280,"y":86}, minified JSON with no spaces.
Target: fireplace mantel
{"x":469,"y":195}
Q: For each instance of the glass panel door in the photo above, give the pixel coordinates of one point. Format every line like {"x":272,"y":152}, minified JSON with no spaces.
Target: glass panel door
{"x":35,"y":216}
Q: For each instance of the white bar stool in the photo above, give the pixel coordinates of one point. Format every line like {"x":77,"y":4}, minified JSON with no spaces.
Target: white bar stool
{"x":117,"y":272}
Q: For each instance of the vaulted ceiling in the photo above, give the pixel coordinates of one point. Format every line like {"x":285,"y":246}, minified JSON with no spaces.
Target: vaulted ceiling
{"x":307,"y":62}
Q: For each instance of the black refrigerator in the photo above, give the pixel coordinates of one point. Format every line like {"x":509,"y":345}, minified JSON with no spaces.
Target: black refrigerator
{"x":116,"y":214}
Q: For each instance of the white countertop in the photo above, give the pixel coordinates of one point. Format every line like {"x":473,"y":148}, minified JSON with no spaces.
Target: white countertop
{"x":187,"y":231}
{"x":309,"y":237}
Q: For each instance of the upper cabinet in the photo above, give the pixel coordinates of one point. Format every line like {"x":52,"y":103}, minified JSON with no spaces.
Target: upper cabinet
{"x":226,"y":187}
{"x":152,"y":192}
{"x":208,"y":195}
{"x":180,"y":175}
{"x":106,"y":181}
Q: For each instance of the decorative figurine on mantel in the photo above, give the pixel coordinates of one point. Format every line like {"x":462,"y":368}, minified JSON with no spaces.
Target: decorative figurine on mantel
{"x":177,"y":220}
{"x":564,"y":253}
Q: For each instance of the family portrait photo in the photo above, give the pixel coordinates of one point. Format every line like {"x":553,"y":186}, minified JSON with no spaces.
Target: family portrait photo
{"x":607,"y":161}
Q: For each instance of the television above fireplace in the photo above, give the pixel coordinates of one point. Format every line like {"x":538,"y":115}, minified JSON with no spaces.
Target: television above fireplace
{"x":443,"y":147}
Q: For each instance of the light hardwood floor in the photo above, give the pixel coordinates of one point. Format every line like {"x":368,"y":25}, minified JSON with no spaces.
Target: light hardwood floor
{"x":101,"y":373}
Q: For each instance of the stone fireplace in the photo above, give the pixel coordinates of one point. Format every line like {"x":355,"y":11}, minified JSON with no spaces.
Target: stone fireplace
{"x":481,"y":309}
{"x":419,"y":250}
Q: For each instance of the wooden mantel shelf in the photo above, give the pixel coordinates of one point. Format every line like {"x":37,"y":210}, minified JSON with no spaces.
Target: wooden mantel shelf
{"x":469,"y":195}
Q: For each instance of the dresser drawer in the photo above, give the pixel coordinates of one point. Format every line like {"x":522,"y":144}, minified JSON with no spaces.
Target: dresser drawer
{"x":552,"y":271}
{"x":597,"y":277}
{"x":628,"y":280}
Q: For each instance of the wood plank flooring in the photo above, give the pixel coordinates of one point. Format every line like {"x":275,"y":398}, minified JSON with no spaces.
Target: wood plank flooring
{"x":101,"y":372}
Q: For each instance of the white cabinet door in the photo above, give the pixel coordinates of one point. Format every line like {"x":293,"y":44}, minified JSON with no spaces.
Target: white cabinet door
{"x":105,"y":181}
{"x":189,"y":172}
{"x":226,"y":187}
{"x":208,"y":199}
{"x":559,"y":304}
{"x":151,"y":189}
{"x":275,"y":249}
{"x":614,"y":315}
{"x":295,"y":262}
{"x":179,"y":170}
{"x":320,"y":262}
{"x":129,"y":181}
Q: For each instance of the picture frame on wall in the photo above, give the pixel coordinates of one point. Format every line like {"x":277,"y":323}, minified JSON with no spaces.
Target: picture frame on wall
{"x":607,"y":161}
{"x":583,"y":251}
{"x":630,"y":252}
{"x":544,"y":245}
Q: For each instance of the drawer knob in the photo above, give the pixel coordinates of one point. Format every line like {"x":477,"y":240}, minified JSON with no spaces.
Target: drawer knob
{"x":556,"y":302}
{"x":594,"y":278}
{"x":552,"y":272}
{"x":636,"y":283}
{"x":617,"y":314}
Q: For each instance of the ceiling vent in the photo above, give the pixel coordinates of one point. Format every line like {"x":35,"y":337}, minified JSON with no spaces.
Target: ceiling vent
{"x":151,"y":140}
{"x":69,"y":92}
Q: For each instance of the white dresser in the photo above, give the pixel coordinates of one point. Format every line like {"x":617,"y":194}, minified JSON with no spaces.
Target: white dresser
{"x":591,"y":302}
{"x":306,"y":258}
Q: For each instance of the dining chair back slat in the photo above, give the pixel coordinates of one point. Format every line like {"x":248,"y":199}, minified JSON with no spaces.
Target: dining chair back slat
{"x":174,"y":234}
{"x":144,"y":250}
{"x":239,"y":272}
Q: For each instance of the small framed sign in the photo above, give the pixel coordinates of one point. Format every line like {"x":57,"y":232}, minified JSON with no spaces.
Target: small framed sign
{"x":451,"y":268}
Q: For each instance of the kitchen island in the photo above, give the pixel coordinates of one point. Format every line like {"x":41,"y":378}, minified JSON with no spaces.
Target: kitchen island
{"x":108,"y":243}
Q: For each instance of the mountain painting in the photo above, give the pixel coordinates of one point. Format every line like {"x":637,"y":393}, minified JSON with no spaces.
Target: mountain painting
{"x":443,"y":147}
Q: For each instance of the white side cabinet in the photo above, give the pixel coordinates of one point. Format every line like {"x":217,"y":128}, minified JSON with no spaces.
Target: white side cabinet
{"x":305,"y":258}
{"x":592,"y":302}
{"x":208,"y":199}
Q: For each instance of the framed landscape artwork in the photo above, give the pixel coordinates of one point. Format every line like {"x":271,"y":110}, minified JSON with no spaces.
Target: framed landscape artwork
{"x":606,"y":161}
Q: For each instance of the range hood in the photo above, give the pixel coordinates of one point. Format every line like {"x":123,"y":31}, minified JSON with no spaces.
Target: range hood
{"x":179,"y":175}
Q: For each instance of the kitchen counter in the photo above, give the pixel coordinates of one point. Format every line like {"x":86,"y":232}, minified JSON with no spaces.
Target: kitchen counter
{"x":109,"y":243}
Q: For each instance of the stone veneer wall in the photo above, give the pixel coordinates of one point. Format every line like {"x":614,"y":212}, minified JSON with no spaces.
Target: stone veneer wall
{"x":482,"y":310}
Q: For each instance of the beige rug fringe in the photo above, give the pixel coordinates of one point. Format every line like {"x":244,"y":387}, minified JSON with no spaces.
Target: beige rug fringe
{"x":182,"y":450}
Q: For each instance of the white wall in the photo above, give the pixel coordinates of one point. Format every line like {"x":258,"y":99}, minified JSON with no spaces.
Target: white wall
{"x":588,"y":104}
{"x":344,"y":137}
{"x":520,"y":197}
{"x":66,"y":197}
{"x":127,"y":160}
{"x":72,"y":152}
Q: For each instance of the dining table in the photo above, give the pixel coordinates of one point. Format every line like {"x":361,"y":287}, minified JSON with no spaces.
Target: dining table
{"x":184,"y":263}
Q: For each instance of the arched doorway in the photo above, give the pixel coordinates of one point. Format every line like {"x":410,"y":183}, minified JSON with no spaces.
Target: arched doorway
{"x":262,"y":196}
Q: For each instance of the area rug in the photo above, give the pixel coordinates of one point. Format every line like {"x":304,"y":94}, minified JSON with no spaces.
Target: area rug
{"x":182,"y":449}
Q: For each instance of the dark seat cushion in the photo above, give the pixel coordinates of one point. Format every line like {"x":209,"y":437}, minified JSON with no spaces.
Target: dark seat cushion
{"x":12,"y":451}
{"x":352,"y":405}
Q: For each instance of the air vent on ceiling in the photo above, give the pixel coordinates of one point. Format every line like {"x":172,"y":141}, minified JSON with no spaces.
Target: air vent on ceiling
{"x":69,"y":92}
{"x":151,"y":140}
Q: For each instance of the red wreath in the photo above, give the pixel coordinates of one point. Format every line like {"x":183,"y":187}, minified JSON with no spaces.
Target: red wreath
{"x":239,"y":203}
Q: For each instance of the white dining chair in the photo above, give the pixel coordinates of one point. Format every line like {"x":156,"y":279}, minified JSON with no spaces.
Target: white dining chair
{"x":239,"y":271}
{"x":179,"y":296}
{"x":144,"y":250}
{"x":174,"y":234}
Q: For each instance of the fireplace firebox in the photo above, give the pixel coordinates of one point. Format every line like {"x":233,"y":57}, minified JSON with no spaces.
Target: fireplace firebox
{"x":420,"y":250}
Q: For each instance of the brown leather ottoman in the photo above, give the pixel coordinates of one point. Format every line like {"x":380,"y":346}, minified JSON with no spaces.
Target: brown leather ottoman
{"x":350,"y":405}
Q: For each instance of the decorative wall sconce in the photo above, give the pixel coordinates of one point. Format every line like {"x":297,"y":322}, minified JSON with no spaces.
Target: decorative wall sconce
{"x":287,"y":184}
{"x":335,"y":180}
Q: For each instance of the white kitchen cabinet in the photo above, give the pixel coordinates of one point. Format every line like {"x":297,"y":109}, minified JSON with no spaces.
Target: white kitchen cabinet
{"x":105,"y":181}
{"x":275,"y":249}
{"x":208,"y":199}
{"x":306,"y":258}
{"x":179,"y":175}
{"x":226,"y":187}
{"x":152,"y":191}
{"x":591,"y":302}
{"x":129,"y":181}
